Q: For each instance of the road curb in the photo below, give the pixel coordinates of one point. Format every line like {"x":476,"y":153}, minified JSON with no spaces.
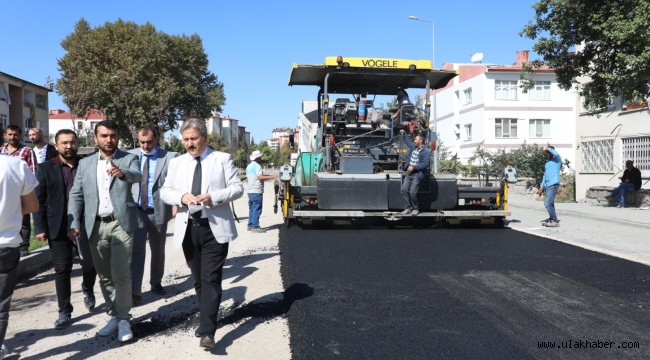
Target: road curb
{"x":32,"y":263}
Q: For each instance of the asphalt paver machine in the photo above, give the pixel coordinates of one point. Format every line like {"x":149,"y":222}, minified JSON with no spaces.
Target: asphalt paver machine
{"x":350,"y":152}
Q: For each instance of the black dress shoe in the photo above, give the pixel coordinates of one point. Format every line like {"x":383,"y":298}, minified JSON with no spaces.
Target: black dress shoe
{"x":207,"y":341}
{"x":89,"y":302}
{"x":158,"y":289}
{"x":63,"y":321}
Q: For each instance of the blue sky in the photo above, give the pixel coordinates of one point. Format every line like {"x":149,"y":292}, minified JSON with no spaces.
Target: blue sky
{"x":252,"y":45}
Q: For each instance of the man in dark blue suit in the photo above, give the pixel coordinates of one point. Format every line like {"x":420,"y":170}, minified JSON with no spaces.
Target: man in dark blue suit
{"x":416,"y":168}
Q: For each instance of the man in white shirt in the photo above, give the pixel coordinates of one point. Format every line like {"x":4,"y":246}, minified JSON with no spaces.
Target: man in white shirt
{"x":101,"y":201}
{"x":255,"y":192}
{"x":202,"y":183}
{"x":42,"y":149}
{"x":17,"y":185}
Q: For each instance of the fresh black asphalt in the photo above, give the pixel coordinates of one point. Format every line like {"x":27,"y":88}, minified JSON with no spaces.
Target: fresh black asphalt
{"x":461,"y":293}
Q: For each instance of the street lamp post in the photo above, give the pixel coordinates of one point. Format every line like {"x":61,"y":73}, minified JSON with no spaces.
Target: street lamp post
{"x":433,"y":110}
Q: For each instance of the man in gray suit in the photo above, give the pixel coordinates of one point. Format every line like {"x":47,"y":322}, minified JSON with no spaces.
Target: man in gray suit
{"x":101,"y":196}
{"x":154,"y":212}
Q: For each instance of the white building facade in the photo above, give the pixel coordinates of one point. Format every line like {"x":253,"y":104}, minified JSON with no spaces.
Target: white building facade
{"x":608,"y":138}
{"x":214,"y":123}
{"x":485,"y":105}
{"x":60,"y":119}
{"x":230,"y":130}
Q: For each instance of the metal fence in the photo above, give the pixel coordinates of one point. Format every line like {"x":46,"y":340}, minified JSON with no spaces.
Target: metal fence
{"x":597,"y":156}
{"x":638,"y":150}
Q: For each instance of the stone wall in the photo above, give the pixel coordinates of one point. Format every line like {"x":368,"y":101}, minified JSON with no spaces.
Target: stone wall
{"x":639,"y":198}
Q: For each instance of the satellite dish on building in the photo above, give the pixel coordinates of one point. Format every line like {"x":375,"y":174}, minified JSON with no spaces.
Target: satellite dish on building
{"x":477,"y":58}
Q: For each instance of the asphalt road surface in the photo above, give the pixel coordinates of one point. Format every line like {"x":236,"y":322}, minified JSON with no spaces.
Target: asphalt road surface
{"x":462,"y":293}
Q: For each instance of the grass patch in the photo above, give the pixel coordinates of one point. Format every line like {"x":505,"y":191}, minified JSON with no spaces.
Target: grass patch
{"x":33,"y":243}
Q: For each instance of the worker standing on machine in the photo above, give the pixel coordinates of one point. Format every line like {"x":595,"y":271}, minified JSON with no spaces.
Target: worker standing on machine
{"x":416,"y":167}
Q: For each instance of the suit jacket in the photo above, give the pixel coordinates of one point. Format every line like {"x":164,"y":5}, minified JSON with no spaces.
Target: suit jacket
{"x":219,"y":177}
{"x":162,"y":212}
{"x":84,"y":196}
{"x":52,"y":199}
{"x":422,"y":168}
{"x":50,"y":152}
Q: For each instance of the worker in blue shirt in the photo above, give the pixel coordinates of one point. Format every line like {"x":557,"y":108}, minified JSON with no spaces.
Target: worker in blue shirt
{"x":550,"y":184}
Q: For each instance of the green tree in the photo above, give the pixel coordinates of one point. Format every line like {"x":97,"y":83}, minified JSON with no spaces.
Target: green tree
{"x":267,"y":153}
{"x":448,"y":163}
{"x":483,"y":162}
{"x":85,"y":138}
{"x":529,"y":161}
{"x":284,"y":154}
{"x":614,"y":46}
{"x":136,"y":75}
{"x":174,"y":144}
{"x":217,"y":142}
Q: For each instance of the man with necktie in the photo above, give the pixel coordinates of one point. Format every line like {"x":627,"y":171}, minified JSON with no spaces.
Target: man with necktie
{"x":202,"y":183}
{"x":154,"y":212}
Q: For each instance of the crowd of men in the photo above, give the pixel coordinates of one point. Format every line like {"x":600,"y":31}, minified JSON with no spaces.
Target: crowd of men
{"x":106,"y":206}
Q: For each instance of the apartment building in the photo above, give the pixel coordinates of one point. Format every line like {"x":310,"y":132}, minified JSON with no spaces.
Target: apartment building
{"x":229,"y":129}
{"x":485,"y":104}
{"x":24,"y":104}
{"x":280,"y":137}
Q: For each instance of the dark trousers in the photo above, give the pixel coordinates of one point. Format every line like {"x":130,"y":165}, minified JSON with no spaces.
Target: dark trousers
{"x":410,"y":187}
{"x":9,"y":259}
{"x":61,"y":249}
{"x":205,"y":257}
{"x":26,"y":231}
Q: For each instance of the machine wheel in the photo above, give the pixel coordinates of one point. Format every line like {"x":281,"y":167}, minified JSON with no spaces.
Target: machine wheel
{"x":304,"y":222}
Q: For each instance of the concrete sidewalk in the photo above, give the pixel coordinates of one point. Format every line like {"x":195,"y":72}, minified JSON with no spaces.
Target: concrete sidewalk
{"x":620,"y":232}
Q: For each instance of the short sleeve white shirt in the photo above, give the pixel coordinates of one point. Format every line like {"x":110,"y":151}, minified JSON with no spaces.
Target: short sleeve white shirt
{"x":16,"y":180}
{"x":253,"y":172}
{"x":41,"y":153}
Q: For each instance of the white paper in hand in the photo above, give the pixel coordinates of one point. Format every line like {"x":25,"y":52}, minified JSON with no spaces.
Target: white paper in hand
{"x":195,"y":208}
